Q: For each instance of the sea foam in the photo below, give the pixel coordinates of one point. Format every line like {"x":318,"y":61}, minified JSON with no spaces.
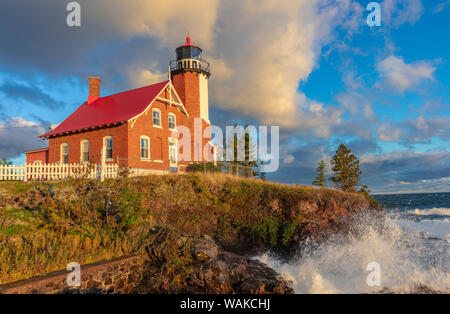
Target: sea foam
{"x":408,"y":260}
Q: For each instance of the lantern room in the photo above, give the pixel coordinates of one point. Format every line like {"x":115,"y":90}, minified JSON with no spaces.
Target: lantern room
{"x":189,"y":58}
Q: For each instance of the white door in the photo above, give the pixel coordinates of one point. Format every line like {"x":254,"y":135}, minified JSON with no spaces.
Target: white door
{"x":172,"y":152}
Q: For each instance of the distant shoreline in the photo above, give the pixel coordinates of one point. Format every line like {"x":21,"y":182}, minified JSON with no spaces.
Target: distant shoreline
{"x":407,"y":193}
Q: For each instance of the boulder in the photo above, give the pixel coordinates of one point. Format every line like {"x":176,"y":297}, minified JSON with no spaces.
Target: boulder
{"x":181,"y":264}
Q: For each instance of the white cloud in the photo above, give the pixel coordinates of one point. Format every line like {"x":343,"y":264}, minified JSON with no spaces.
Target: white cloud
{"x":402,"y":75}
{"x":388,"y":134}
{"x":143,"y":77}
{"x":16,"y":134}
{"x":289,"y":159}
{"x":271,"y":46}
{"x":165,"y":20}
{"x":441,"y":6}
{"x":398,"y":12}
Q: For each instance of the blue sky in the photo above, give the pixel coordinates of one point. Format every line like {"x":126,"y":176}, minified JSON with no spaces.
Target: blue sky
{"x":313,"y":67}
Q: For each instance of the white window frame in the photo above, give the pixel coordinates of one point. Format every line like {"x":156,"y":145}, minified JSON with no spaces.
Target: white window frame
{"x":105,"y":139}
{"x":61,"y":157}
{"x":144,"y":137}
{"x":160,"y":118}
{"x":82,"y":152}
{"x":174,"y":120}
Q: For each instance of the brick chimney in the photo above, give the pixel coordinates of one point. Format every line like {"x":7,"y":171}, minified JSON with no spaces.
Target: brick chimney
{"x":94,"y":89}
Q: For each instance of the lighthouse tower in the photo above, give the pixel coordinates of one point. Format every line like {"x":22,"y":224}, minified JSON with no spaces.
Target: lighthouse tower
{"x":190,"y":74}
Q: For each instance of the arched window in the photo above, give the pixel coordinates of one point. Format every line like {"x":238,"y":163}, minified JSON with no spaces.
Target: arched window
{"x":179,"y":64}
{"x":194,"y":64}
{"x":84,"y":151}
{"x":145,"y":147}
{"x":172,"y":121}
{"x":156,"y":114}
{"x":185,"y":63}
{"x":108,"y":142}
{"x":64,"y":159}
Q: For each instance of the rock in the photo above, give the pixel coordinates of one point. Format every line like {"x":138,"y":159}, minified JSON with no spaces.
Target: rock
{"x":204,"y":268}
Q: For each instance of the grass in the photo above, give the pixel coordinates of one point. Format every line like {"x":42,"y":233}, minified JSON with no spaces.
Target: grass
{"x":86,"y":221}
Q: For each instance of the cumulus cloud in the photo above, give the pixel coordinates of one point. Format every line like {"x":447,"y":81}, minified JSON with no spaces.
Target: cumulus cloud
{"x":270,"y":46}
{"x":413,"y":131}
{"x":402,"y":75}
{"x":398,"y":12}
{"x":18,"y":135}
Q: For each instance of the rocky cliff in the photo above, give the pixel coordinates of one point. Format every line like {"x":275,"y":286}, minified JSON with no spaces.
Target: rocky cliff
{"x":45,"y":225}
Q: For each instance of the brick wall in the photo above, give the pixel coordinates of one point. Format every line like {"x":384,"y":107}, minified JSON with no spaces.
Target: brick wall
{"x":117,"y":276}
{"x":95,"y":137}
{"x":188,"y":88}
{"x":41,"y":156}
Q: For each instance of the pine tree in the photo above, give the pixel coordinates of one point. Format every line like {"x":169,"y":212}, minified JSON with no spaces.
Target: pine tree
{"x":243,"y":149}
{"x":345,"y":166}
{"x":320,"y":179}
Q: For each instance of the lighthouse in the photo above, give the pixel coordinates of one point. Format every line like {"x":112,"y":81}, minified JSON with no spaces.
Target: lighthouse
{"x":189,"y":75}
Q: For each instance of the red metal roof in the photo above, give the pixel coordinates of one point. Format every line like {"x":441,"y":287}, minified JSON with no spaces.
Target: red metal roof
{"x":110,"y":109}
{"x":188,"y":42}
{"x":36,"y":150}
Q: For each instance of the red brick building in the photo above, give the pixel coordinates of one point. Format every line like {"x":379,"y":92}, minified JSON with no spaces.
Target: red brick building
{"x":136,"y":128}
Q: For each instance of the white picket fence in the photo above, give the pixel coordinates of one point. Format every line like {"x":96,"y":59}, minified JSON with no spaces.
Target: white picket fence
{"x":52,"y":172}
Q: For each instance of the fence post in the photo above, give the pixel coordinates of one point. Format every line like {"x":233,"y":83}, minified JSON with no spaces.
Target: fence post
{"x":25,"y":173}
{"x":102,"y":167}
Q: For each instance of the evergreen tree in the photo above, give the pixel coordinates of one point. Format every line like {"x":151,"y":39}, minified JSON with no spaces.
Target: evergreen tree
{"x":346,"y":170}
{"x":243,"y":150}
{"x":262,"y":174}
{"x":320,"y":179}
{"x":4,"y":162}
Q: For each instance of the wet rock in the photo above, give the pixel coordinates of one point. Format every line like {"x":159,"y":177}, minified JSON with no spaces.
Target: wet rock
{"x":204,"y":268}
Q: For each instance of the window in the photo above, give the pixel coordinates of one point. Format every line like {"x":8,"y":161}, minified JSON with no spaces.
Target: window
{"x":145,"y":147}
{"x":108,"y":142}
{"x":64,"y":153}
{"x":156,"y":117}
{"x":194,"y":64}
{"x":84,"y":151}
{"x":172,"y":121}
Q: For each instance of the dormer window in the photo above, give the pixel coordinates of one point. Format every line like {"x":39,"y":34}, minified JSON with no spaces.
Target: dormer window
{"x":156,"y":117}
